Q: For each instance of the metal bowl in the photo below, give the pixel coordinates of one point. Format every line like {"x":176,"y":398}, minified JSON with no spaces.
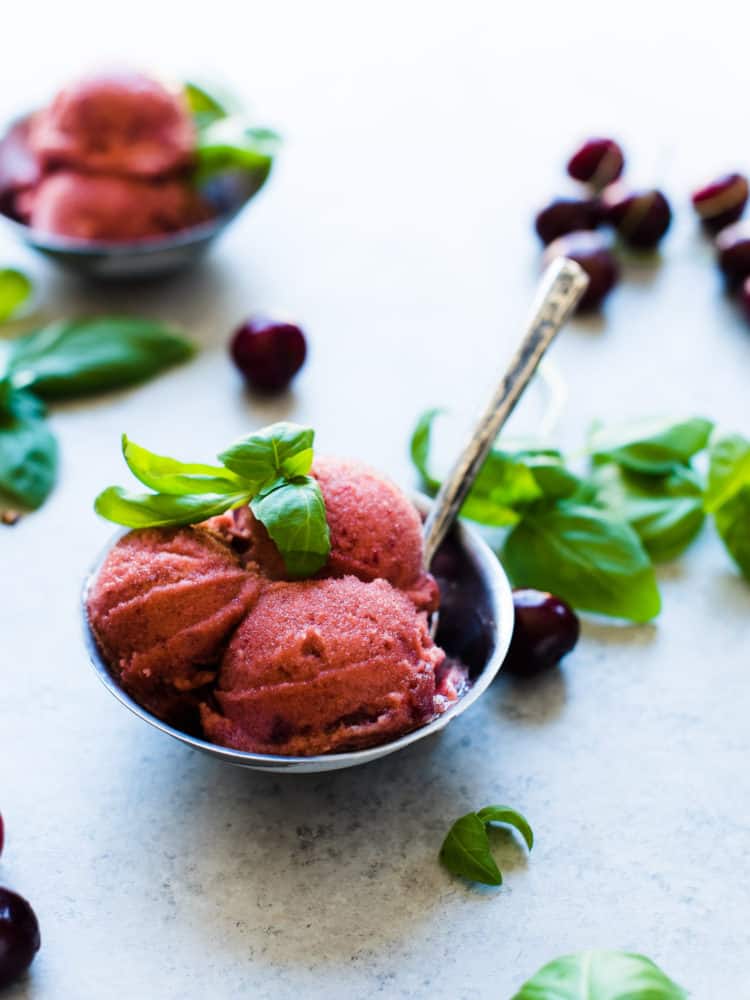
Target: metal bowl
{"x":135,"y":260}
{"x":475,"y":625}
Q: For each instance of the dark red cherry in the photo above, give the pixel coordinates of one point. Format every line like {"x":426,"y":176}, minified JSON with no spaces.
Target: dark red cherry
{"x":269,"y":353}
{"x":641,"y":218}
{"x":567,"y":215}
{"x":592,"y":252}
{"x":733,"y":248}
{"x":597,"y":162}
{"x":546,"y":629}
{"x":721,"y":202}
{"x":19,"y":936}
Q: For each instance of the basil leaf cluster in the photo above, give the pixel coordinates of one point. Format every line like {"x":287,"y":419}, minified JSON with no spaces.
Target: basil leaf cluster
{"x":67,"y":360}
{"x":600,"y":975}
{"x":593,"y":539}
{"x":466,"y":848}
{"x":267,"y":470}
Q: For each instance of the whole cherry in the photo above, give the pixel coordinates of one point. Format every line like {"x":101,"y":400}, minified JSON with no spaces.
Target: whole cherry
{"x":641,"y":218}
{"x":592,"y":252}
{"x":733,"y":248}
{"x":546,"y":628}
{"x":567,"y":215}
{"x":597,"y":162}
{"x":268,"y":352}
{"x":19,"y":936}
{"x":721,"y":202}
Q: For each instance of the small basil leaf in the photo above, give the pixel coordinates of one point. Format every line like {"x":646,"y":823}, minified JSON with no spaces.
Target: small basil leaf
{"x":15,"y":289}
{"x":486,"y":511}
{"x":654,"y":447}
{"x":157,"y":510}
{"x":282,"y":449}
{"x":230,"y":145}
{"x":729,"y":470}
{"x":550,"y":474}
{"x":75,"y":357}
{"x":294,"y":515}
{"x":587,"y":557}
{"x":511,"y":817}
{"x":28,"y":451}
{"x":600,"y":975}
{"x":733,"y":524}
{"x":204,"y":107}
{"x":167,"y":475}
{"x":419,"y":449}
{"x":466,"y":851}
{"x":666,"y":511}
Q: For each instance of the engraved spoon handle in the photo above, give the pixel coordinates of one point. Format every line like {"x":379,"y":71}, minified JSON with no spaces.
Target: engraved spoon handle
{"x":560,"y":290}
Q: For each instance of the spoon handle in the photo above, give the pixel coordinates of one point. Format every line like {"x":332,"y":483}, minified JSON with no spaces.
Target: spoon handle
{"x":561,"y":288}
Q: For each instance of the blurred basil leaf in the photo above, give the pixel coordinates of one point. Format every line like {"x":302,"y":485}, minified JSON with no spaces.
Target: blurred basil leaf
{"x":231,"y":145}
{"x":733,"y":524}
{"x":167,"y":475}
{"x":294,"y":515}
{"x":15,"y":290}
{"x":75,"y":357}
{"x":600,"y":975}
{"x":28,"y":449}
{"x":157,"y":510}
{"x":204,"y":107}
{"x":654,"y":447}
{"x":729,"y":470}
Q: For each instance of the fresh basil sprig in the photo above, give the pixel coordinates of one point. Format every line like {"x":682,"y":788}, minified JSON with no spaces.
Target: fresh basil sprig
{"x":466,"y":848}
{"x":728,"y":496}
{"x":600,"y":975}
{"x":15,"y":290}
{"x":267,"y":469}
{"x":654,"y":447}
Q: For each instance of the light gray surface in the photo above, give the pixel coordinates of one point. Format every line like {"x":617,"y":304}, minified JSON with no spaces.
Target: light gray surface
{"x":398,"y":229}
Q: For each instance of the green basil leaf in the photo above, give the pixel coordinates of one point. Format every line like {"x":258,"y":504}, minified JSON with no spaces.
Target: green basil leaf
{"x":15,"y":289}
{"x":654,"y":447}
{"x":733,"y":524}
{"x":74,"y":357}
{"x":230,"y":145}
{"x":294,"y":515}
{"x":466,"y":851}
{"x":158,"y":510}
{"x":551,"y":476}
{"x":511,"y":817}
{"x":419,"y":449}
{"x":587,"y":557}
{"x":28,"y":450}
{"x":666,"y":511}
{"x":600,"y":975}
{"x":282,"y":449}
{"x":729,"y":470}
{"x":167,"y":475}
{"x":204,"y":107}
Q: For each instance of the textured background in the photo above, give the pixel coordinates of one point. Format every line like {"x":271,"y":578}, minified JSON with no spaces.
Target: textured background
{"x":420,"y":139}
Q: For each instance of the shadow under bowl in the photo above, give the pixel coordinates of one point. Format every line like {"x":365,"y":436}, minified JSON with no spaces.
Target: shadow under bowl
{"x":134,"y":260}
{"x":475,"y":626}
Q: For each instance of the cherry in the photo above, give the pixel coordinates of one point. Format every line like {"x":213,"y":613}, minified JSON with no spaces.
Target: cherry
{"x":641,"y":218}
{"x":269,"y":353}
{"x":546,"y":629}
{"x":591,"y":251}
{"x":597,"y":162}
{"x":19,"y":936}
{"x":721,"y":202}
{"x":733,"y":246}
{"x":567,"y":215}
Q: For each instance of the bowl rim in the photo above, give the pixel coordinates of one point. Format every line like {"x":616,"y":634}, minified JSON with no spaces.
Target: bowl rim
{"x":498,"y":588}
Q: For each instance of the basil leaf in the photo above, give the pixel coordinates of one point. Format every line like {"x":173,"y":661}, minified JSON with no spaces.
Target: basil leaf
{"x":229,"y":144}
{"x":729,"y":470}
{"x":74,"y":357}
{"x":550,"y":474}
{"x":666,"y":511}
{"x":466,"y":851}
{"x":419,"y":449}
{"x":654,"y":447}
{"x":294,"y":515}
{"x":600,"y":975}
{"x":585,"y":556}
{"x":504,"y":814}
{"x":28,"y":450}
{"x":204,"y":108}
{"x":733,"y":524}
{"x":157,"y":510}
{"x":167,"y":475}
{"x":15,"y":289}
{"x":281,"y":449}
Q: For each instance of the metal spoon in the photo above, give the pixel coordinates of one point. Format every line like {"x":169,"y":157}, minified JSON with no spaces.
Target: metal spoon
{"x":559,"y":293}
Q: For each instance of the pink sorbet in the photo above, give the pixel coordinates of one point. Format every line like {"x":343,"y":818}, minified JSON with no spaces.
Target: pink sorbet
{"x":118,"y":123}
{"x":323,"y":666}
